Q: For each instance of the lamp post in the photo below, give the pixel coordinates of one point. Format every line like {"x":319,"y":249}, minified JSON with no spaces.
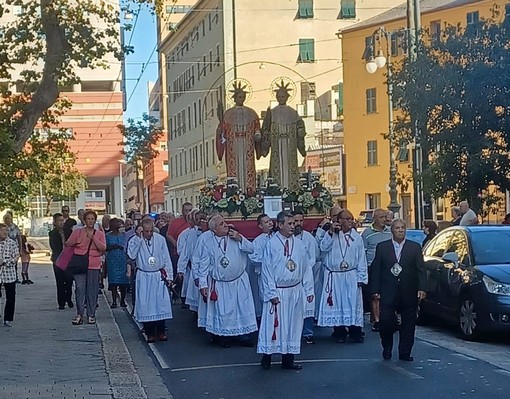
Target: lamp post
{"x":121,"y":186}
{"x":372,"y":66}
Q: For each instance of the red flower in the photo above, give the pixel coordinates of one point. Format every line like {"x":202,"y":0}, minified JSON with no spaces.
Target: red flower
{"x":250,"y":192}
{"x":315,"y":194}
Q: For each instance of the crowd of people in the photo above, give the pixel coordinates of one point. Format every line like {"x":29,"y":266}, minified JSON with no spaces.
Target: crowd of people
{"x":282,"y":285}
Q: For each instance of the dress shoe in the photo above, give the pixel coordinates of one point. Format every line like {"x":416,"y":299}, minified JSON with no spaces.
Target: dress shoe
{"x":123,"y":304}
{"x":70,"y":304}
{"x":376,"y":327}
{"x":61,"y":307}
{"x":266,"y":362}
{"x":162,"y":337}
{"x":291,"y":366}
{"x":8,"y":323}
{"x":386,"y":354}
{"x":340,"y":340}
{"x":406,"y":358}
{"x":151,"y":339}
{"x":309,"y":340}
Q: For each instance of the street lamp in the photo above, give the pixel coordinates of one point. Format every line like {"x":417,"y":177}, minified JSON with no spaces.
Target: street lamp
{"x":372,"y":66}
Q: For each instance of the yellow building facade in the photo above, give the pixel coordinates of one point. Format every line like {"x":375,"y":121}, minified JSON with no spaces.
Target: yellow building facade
{"x":366,"y":104}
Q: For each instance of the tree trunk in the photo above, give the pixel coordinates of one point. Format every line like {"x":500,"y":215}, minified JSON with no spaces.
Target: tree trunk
{"x":48,"y":91}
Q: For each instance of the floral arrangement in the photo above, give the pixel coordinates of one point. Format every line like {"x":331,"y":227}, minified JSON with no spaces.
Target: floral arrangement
{"x":228,"y":197}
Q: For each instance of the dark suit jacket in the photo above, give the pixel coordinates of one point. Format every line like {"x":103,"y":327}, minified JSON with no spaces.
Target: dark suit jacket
{"x":56,"y":244}
{"x":412,"y":278}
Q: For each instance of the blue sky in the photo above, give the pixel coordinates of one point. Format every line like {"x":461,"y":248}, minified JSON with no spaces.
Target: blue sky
{"x":143,"y":38}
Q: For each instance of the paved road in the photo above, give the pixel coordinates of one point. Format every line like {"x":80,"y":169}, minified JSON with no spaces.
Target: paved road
{"x":442,"y":369}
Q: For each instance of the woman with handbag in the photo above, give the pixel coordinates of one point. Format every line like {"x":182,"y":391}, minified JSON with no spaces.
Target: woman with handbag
{"x":85,"y":265}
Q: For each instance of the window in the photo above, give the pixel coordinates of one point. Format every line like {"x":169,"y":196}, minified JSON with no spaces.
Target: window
{"x":204,"y":66}
{"x":435,"y":31}
{"x":199,"y":71}
{"x":348,"y":9}
{"x":185,"y":162}
{"x":206,"y":154}
{"x":201,"y":156}
{"x":398,"y":43}
{"x":180,"y":164}
{"x":305,"y":9}
{"x":195,"y":150}
{"x":213,"y":153}
{"x":371,"y":101}
{"x":178,"y":9}
{"x":473,"y":18}
{"x":189,"y":117}
{"x":307,"y":91}
{"x":195,"y":116}
{"x":211,"y":61}
{"x":183,"y":120}
{"x":438,"y":245}
{"x":369,"y":48}
{"x":179,"y":124}
{"x":199,"y":111}
{"x":165,"y":166}
{"x":403,"y":153}
{"x":217,"y":55}
{"x":306,"y":50}
{"x":373,"y":201}
{"x":372,"y":154}
{"x":171,"y":127}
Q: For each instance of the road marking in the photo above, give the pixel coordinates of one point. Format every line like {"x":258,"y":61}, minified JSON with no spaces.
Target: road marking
{"x":501,"y":371}
{"x":220,"y":366}
{"x":465,"y":357}
{"x":405,"y":372}
{"x":155,"y":351}
{"x":430,"y":344}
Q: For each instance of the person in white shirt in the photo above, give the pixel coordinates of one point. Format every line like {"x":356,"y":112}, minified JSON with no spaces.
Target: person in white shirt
{"x":469,"y":217}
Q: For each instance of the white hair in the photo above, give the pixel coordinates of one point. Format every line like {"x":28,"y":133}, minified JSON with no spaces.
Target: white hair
{"x":214,"y":221}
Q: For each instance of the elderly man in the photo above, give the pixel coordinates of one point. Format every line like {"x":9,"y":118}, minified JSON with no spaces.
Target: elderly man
{"x":389,"y":218}
{"x":230,"y":307}
{"x":399,"y":281}
{"x":341,"y":303}
{"x":372,"y":236}
{"x":469,"y":217}
{"x":9,"y":254}
{"x":153,"y":277}
{"x":287,"y":282}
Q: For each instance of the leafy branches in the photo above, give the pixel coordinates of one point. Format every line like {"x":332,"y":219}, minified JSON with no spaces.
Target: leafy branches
{"x":456,"y":95}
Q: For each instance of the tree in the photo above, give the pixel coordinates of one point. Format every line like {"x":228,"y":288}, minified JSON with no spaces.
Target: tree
{"x":57,"y":177}
{"x":140,"y":139}
{"x":456,"y":95}
{"x":44,"y":48}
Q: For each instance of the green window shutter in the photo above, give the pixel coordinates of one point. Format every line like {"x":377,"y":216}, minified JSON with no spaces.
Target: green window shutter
{"x":306,"y":50}
{"x":348,"y":9}
{"x":305,"y":9}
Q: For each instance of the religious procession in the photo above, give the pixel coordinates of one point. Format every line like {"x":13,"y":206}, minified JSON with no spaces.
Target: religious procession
{"x":269,"y":279}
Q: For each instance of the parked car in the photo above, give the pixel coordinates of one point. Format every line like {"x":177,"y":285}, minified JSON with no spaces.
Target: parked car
{"x":366,"y":218}
{"x":415,"y":235}
{"x":468,"y":271}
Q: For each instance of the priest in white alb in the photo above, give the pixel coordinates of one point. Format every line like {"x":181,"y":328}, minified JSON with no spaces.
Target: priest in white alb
{"x":230,"y":308}
{"x":185,"y":246}
{"x":153,"y":277}
{"x":287,"y":284}
{"x":345,"y":271}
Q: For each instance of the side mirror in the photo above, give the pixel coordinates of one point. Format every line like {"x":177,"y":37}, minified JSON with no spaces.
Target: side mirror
{"x":451,"y":257}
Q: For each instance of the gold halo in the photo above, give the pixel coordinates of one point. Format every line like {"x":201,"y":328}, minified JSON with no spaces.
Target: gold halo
{"x":239,"y":84}
{"x":285,"y":83}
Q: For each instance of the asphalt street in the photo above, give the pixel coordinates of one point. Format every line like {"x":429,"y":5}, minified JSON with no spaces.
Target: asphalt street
{"x":444,"y":367}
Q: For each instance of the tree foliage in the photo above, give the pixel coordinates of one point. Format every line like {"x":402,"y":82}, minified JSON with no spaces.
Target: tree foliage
{"x":456,"y":95}
{"x":140,"y":139}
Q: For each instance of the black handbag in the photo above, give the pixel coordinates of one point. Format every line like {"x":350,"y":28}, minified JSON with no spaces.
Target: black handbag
{"x":79,"y":264}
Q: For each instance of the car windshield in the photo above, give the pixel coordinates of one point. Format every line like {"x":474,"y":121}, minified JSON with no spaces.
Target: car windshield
{"x":491,"y":247}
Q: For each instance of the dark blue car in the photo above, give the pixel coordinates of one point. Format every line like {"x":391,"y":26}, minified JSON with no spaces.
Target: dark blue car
{"x":468,"y":272}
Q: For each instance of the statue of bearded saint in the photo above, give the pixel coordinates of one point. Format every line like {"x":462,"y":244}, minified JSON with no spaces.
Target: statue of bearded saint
{"x":284,"y":132}
{"x":238,"y":137}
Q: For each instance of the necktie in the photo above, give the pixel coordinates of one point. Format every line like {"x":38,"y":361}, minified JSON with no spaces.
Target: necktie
{"x":286,"y":248}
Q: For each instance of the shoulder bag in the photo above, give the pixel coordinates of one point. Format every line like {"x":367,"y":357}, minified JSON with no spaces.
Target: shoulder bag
{"x":79,"y":264}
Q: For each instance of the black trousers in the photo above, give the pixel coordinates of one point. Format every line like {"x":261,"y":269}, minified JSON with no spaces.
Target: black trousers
{"x":64,"y":281}
{"x":154,"y":327}
{"x":389,"y":323}
{"x":10,"y":301}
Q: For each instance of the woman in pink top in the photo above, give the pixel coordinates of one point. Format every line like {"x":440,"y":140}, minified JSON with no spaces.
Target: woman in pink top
{"x":87,"y":285}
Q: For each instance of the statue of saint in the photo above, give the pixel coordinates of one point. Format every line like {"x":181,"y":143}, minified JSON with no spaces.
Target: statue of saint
{"x":284,"y":132}
{"x":238,"y":137}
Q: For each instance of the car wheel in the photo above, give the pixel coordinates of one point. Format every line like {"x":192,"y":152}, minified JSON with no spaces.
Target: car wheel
{"x":468,"y":320}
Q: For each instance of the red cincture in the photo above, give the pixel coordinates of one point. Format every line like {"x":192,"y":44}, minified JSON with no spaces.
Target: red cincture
{"x":274,"y":310}
{"x":329,"y":289}
{"x":214,"y":294}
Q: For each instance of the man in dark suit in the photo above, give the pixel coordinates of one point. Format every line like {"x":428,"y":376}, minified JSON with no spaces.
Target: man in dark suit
{"x":399,"y":280}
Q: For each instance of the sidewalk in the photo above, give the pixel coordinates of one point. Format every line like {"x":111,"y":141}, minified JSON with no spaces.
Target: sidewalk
{"x":45,"y":356}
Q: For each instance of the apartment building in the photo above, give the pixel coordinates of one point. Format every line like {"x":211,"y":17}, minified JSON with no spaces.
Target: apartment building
{"x":258,"y":42}
{"x":366,"y":106}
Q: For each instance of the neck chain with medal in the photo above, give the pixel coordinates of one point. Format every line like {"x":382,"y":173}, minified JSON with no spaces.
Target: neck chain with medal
{"x":150,"y":249}
{"x":343,"y":264}
{"x":396,"y":269}
{"x":290,"y":265}
{"x":224,"y":261}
